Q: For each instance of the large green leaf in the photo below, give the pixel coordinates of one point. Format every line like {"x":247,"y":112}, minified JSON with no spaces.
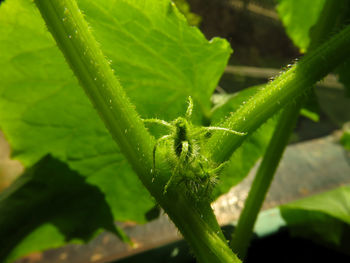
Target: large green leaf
{"x":323,"y":217}
{"x":48,"y":206}
{"x":160,"y":60}
{"x":246,"y":156}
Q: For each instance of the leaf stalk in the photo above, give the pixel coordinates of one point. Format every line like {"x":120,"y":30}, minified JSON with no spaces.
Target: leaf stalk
{"x":244,"y":229}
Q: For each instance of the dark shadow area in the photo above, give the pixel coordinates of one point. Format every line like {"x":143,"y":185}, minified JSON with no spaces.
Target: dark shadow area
{"x":280,"y":247}
{"x":153,"y":213}
{"x":51,"y":193}
{"x":172,"y":253}
{"x":252,"y":28}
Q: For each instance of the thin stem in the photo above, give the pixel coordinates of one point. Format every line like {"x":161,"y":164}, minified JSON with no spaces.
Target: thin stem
{"x":213,"y":128}
{"x":331,"y":14}
{"x":159,"y":122}
{"x":244,"y":229}
{"x":189,"y":108}
{"x":278,"y":93}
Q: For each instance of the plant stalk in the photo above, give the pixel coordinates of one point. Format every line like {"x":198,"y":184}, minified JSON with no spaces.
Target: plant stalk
{"x":241,"y":236}
{"x":73,"y":36}
{"x":195,"y":221}
{"x":278,"y":93}
{"x":244,"y":229}
{"x":207,"y":242}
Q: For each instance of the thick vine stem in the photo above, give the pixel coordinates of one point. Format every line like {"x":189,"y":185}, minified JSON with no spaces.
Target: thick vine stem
{"x":278,"y":93}
{"x":196,"y":221}
{"x":244,"y":229}
{"x":73,"y":36}
{"x":207,"y":242}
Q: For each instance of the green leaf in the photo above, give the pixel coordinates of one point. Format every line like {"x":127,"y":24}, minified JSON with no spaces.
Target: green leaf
{"x":311,"y":22}
{"x":345,"y":140}
{"x":335,"y":203}
{"x":160,"y":60}
{"x":246,"y":156}
{"x":311,"y":107}
{"x":48,"y":206}
{"x":323,"y":217}
{"x":310,"y":114}
{"x":298,"y":16}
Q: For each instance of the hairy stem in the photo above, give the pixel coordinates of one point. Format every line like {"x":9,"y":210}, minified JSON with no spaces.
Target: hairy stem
{"x":73,"y":36}
{"x":331,"y":15}
{"x":201,"y":230}
{"x":278,"y":93}
{"x":244,"y":229}
{"x":195,"y":221}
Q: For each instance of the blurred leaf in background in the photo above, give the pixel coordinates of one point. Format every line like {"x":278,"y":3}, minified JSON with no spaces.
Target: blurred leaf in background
{"x":324,"y":217}
{"x":300,"y":17}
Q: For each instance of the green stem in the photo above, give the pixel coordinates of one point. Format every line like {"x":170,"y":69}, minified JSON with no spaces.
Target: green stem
{"x":332,"y":14}
{"x":195,"y":221}
{"x":201,"y":230}
{"x":73,"y":36}
{"x":331,"y":17}
{"x":278,"y":93}
{"x":244,"y":229}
